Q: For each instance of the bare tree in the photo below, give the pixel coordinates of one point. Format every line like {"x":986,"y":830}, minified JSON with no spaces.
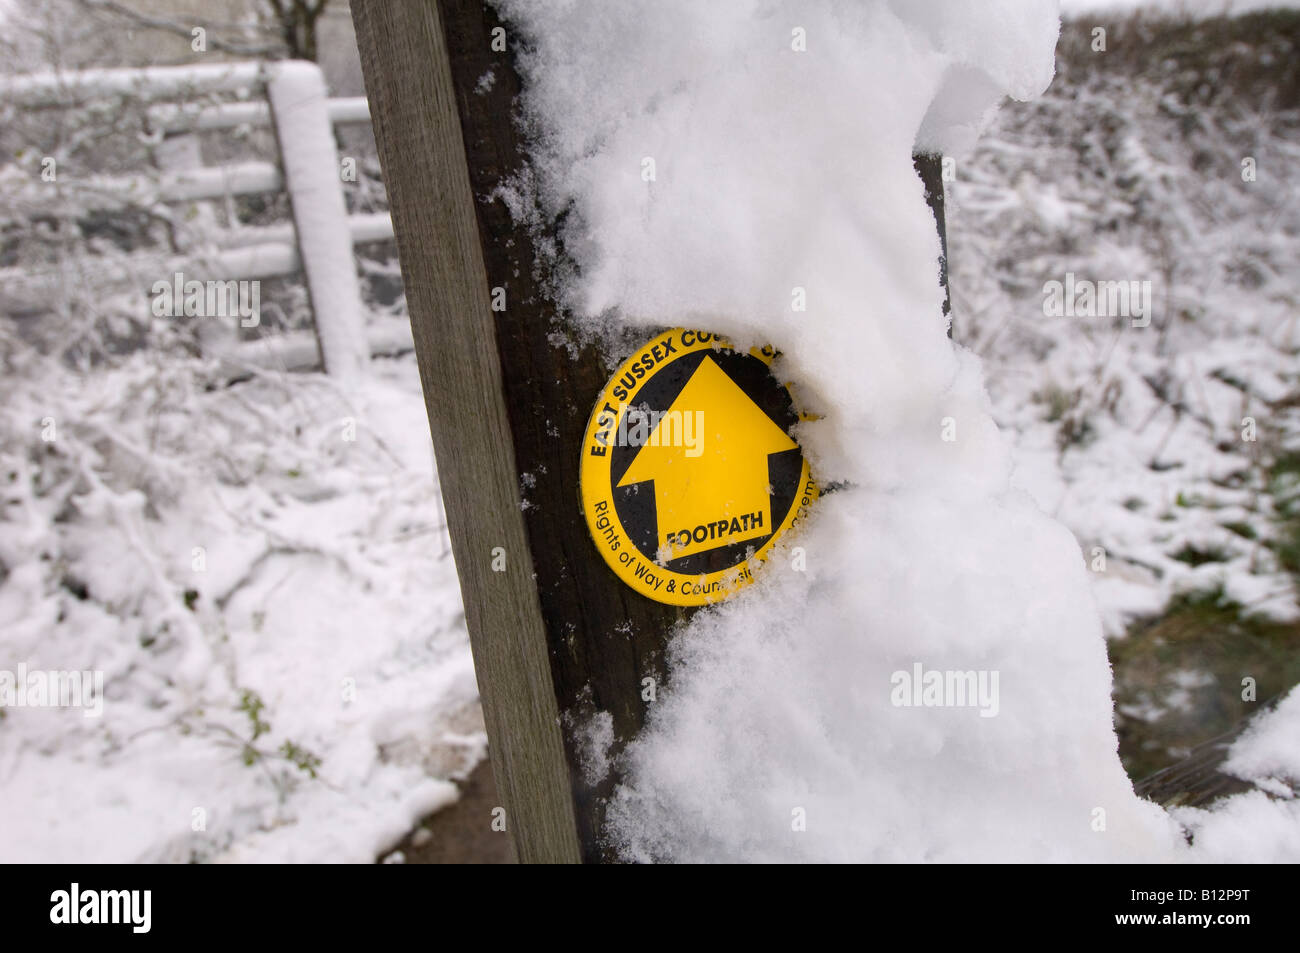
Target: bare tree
{"x":287,"y":29}
{"x":297,"y":21}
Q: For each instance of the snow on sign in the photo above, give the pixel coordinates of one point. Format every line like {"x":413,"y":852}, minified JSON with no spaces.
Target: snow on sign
{"x":688,"y":472}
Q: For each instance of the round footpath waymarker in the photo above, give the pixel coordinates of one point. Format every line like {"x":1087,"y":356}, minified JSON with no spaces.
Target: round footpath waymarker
{"x":689,"y":474}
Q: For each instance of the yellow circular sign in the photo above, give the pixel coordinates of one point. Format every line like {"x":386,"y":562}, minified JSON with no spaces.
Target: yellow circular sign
{"x":689,"y":474}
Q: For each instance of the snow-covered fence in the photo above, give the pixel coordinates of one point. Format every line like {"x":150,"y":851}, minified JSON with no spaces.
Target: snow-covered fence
{"x":292,"y":99}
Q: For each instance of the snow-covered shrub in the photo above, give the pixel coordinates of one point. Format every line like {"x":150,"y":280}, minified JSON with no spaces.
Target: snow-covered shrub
{"x":1170,"y":157}
{"x":257,"y":570}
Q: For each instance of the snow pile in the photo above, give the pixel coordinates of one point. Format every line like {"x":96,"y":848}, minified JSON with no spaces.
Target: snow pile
{"x":1263,"y":825}
{"x":784,"y":733}
{"x":1269,"y":752}
{"x":259,"y":572}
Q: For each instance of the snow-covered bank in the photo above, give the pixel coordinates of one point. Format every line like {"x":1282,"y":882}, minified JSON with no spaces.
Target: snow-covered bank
{"x":1170,"y":158}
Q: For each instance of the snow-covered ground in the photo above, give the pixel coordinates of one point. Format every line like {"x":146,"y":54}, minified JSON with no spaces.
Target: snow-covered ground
{"x":261,"y":574}
{"x":1166,"y":448}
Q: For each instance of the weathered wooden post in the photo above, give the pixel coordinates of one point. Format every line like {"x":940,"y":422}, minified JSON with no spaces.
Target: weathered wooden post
{"x":555,"y":631}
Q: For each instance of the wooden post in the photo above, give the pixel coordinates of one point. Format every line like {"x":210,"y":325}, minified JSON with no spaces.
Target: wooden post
{"x":929,"y":166}
{"x":556,"y":635}
{"x":300,"y":112}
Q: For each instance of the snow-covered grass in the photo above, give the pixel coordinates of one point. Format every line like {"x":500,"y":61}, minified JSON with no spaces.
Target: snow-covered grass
{"x":259,"y":571}
{"x":1140,"y":438}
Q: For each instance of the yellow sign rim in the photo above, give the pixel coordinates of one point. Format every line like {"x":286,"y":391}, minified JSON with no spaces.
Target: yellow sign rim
{"x":595,"y":490}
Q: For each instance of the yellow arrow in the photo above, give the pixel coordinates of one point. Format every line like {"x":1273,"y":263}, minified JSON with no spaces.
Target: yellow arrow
{"x":714,"y":490}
